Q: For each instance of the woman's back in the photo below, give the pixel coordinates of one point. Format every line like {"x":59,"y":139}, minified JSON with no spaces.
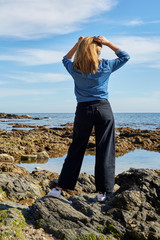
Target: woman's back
{"x":93,"y":86}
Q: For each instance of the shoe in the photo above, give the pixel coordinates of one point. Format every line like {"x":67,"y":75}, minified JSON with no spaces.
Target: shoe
{"x":55,"y":193}
{"x":101,"y":197}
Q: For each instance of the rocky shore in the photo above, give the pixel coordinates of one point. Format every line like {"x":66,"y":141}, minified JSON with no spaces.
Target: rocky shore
{"x":26,"y":212}
{"x":133,"y":213}
{"x":55,"y":141}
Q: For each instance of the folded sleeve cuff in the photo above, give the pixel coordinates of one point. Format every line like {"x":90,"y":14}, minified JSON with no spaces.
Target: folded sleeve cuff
{"x":118,"y":51}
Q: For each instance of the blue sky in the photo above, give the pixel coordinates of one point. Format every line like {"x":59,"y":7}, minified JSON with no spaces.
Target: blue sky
{"x":36,"y":34}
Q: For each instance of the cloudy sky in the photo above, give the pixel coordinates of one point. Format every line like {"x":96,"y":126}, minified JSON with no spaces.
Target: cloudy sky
{"x":36,"y":34}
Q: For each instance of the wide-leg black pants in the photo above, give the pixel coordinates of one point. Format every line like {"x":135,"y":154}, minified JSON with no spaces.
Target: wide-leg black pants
{"x":89,"y":114}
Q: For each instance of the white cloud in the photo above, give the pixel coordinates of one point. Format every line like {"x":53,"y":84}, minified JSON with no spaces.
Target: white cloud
{"x":33,"y":56}
{"x":137,"y":22}
{"x":32,"y":77}
{"x":23,"y":92}
{"x":38,"y":18}
{"x":143,"y":50}
{"x":134,"y":23}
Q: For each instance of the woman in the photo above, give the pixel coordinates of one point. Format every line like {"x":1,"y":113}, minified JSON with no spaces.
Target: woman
{"x":91,"y":77}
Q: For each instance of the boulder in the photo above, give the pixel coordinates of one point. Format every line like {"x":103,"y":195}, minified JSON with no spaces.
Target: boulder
{"x":35,"y":157}
{"x":42,"y":155}
{"x":60,"y":217}
{"x":13,"y":169}
{"x":20,"y":188}
{"x":6,"y":158}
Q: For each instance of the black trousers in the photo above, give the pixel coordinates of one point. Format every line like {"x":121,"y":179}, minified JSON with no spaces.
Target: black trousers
{"x":89,"y":114}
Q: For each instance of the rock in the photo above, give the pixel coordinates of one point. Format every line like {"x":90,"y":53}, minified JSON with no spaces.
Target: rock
{"x":9,"y":204}
{"x":132,"y":213}
{"x":138,"y":140}
{"x":13,"y":168}
{"x":157,"y":171}
{"x":37,"y":118}
{"x":15,"y":223}
{"x":22,"y":189}
{"x":42,"y":155}
{"x":5,"y":115}
{"x":20,"y":125}
{"x":29,"y":158}
{"x":6,"y":158}
{"x":37,"y":168}
{"x":67,"y":125}
{"x":12,"y":223}
{"x":86,"y":183}
{"x":60,"y":218}
{"x":35,"y":157}
{"x":56,"y":141}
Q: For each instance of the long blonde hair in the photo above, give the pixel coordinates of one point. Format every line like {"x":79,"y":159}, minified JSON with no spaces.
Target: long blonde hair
{"x":86,"y":59}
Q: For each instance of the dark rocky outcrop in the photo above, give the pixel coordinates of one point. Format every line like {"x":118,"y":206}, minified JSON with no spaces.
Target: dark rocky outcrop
{"x":132,"y":213}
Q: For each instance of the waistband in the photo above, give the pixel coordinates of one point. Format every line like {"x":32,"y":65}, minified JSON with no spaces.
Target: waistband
{"x":92,"y":102}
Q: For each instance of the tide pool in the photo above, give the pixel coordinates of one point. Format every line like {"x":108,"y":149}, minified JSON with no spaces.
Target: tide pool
{"x":135,"y":159}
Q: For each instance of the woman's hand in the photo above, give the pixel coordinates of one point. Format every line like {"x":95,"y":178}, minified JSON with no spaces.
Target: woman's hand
{"x":102,"y":40}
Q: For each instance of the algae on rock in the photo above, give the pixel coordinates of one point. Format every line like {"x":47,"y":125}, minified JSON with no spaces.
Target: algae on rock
{"x":12,"y":223}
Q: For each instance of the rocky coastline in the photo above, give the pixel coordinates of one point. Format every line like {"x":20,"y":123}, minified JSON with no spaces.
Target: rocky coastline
{"x":55,"y":141}
{"x":26,"y":212}
{"x":14,"y":116}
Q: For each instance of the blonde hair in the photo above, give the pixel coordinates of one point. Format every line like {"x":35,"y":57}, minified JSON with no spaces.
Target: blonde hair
{"x":86,"y":59}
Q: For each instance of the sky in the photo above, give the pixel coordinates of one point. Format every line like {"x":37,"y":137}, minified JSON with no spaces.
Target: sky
{"x":36,"y":34}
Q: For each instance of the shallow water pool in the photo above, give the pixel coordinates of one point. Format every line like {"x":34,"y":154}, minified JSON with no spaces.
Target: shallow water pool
{"x":136,"y":159}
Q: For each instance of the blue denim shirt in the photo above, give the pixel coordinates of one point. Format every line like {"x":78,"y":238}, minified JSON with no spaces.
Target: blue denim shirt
{"x":91,"y":87}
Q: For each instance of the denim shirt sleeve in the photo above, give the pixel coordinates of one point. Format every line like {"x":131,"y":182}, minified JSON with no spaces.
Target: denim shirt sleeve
{"x":67,"y":63}
{"x":115,"y":64}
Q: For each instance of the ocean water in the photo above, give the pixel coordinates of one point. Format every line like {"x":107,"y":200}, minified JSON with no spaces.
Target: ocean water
{"x":149,"y":121}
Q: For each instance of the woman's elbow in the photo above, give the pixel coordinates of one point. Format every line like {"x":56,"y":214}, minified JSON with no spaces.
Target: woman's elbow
{"x":127,"y":57}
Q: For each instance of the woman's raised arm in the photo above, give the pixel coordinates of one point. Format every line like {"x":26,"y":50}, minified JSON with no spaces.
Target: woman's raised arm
{"x":73,"y":50}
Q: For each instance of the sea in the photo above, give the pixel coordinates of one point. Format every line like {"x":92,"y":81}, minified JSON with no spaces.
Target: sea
{"x":149,"y":121}
{"x":138,"y":158}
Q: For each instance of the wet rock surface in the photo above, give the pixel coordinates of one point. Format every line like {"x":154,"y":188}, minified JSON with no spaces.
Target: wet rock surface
{"x":55,"y":141}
